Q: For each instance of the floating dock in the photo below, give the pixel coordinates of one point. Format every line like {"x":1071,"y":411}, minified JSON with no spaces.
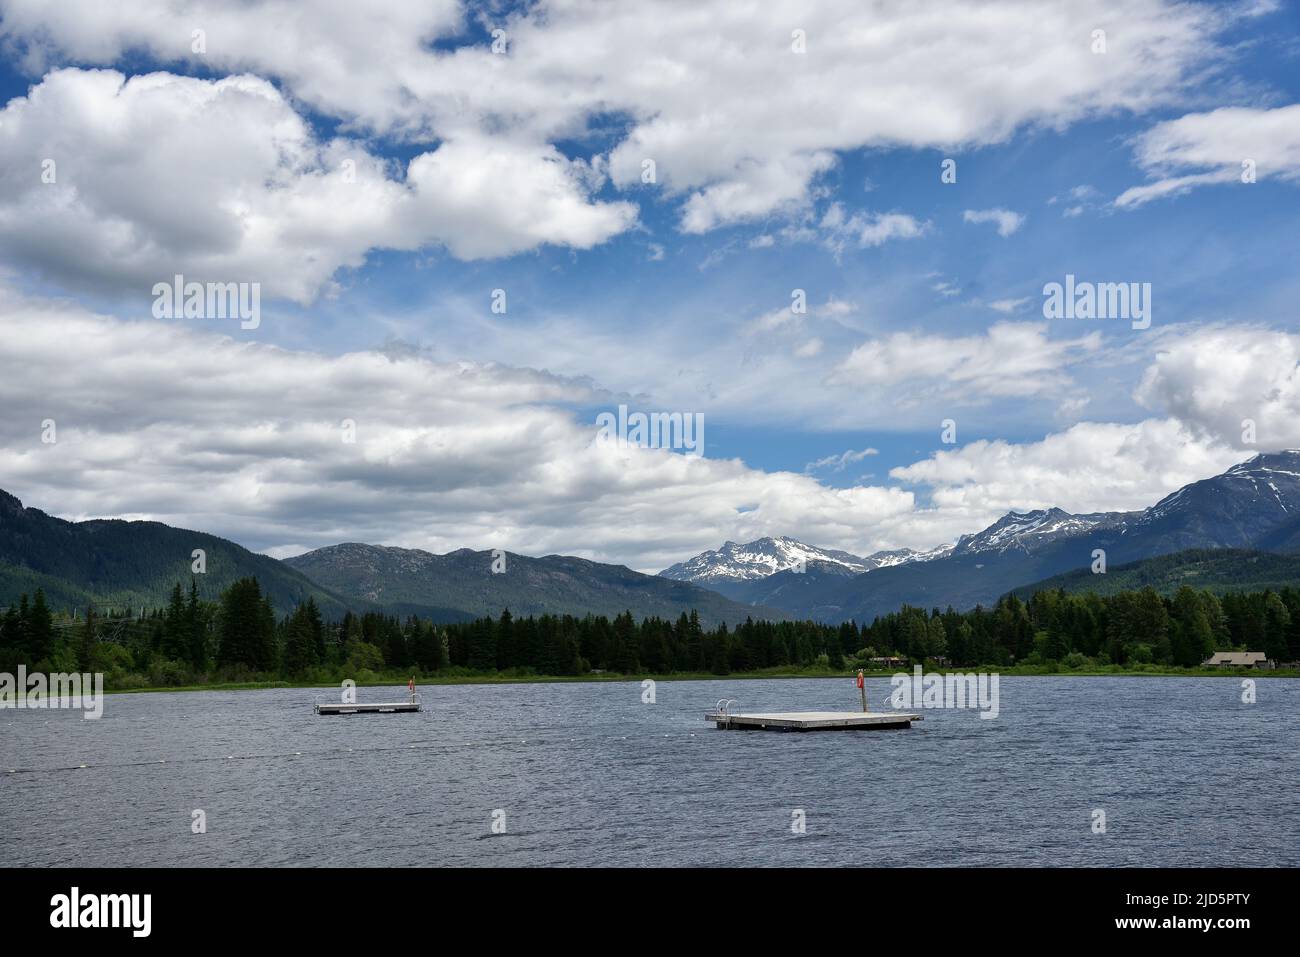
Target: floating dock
{"x":812,"y":720}
{"x":395,"y":707}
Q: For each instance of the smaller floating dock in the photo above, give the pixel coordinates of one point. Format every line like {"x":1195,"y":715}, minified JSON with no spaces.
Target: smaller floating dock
{"x":812,"y":720}
{"x":394,"y":707}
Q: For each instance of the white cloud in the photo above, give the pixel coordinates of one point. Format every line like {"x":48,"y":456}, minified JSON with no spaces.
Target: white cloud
{"x":1089,"y":467}
{"x":1006,"y":220}
{"x":838,"y":229}
{"x":484,"y":197}
{"x":1009,"y":359}
{"x":1009,"y":306}
{"x":785,"y":317}
{"x":839,"y":462}
{"x":1215,"y":379}
{"x":244,"y":440}
{"x":221,"y":180}
{"x":736,"y":121}
{"x":754,"y":190}
{"x":1205,"y":148}
{"x":877,"y":228}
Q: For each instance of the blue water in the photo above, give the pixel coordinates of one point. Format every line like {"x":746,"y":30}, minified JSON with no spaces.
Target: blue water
{"x":587,"y":774}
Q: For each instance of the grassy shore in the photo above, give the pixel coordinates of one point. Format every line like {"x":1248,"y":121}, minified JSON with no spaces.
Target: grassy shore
{"x":389,"y":679}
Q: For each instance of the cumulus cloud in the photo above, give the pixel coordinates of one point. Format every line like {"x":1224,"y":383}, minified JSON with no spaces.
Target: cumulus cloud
{"x":188,"y":427}
{"x":840,"y":229}
{"x":1006,"y":220}
{"x":1221,"y":381}
{"x":1216,"y":147}
{"x":123,"y":183}
{"x":739,"y":124}
{"x":1089,"y":467}
{"x":755,"y":189}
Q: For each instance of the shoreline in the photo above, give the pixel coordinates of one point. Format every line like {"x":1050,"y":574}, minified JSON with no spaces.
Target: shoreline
{"x":487,"y":679}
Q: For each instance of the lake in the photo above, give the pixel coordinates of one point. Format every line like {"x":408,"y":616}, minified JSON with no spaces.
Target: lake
{"x":587,"y":774}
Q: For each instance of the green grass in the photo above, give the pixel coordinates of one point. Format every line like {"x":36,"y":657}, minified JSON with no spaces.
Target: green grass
{"x":394,"y":678}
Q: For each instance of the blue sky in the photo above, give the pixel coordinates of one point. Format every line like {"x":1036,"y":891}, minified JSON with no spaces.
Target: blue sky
{"x":675,"y":296}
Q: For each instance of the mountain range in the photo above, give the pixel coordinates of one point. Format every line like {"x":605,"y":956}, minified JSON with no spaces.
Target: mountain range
{"x":1253,"y":508}
{"x":121,"y":564}
{"x":462,"y":584}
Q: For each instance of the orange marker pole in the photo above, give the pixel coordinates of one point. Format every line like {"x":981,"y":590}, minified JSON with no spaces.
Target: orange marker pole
{"x":862,"y":688}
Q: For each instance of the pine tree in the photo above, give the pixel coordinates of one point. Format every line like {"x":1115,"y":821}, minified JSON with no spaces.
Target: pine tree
{"x":11,"y":629}
{"x":40,"y":630}
{"x":1277,"y":622}
{"x":317,"y":627}
{"x":506,"y":651}
{"x":86,"y":641}
{"x":247,"y":627}
{"x":300,"y":643}
{"x":196,"y":630}
{"x":176,"y":633}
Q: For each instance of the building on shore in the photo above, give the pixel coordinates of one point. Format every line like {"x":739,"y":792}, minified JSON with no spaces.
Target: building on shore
{"x":1238,"y":659}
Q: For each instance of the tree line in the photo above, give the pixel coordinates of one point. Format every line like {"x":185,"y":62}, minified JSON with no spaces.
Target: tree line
{"x":240,"y":637}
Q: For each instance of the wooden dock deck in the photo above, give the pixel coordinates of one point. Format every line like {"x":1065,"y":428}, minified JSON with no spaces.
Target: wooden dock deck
{"x":812,"y":720}
{"x":394,"y":707}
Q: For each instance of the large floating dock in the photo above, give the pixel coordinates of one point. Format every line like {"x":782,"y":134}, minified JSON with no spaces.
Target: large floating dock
{"x":812,"y":720}
{"x":396,"y":707}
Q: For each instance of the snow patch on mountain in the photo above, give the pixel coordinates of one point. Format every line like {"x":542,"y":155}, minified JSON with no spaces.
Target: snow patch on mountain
{"x":767,"y":556}
{"x":757,"y":559}
{"x":1025,"y":531}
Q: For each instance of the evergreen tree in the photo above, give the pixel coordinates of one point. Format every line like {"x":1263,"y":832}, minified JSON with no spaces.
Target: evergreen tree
{"x":1277,"y":624}
{"x":40,"y":630}
{"x":176,"y":631}
{"x":86,"y":641}
{"x":11,"y":630}
{"x":299,"y":643}
{"x":247,"y":627}
{"x":196,"y":628}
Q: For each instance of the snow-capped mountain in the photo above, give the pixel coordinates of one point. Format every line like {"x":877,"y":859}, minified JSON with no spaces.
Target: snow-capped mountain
{"x":765,"y":557}
{"x":1259,"y":497}
{"x":759,"y":559}
{"x":1254,"y":505}
{"x":779,"y":569}
{"x":901,"y":556}
{"x":1029,"y":531}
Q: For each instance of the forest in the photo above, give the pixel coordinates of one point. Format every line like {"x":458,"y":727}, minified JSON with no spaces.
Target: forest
{"x":240,"y":639}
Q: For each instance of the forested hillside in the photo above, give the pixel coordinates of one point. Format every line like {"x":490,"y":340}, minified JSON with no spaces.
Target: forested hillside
{"x":240,"y":637}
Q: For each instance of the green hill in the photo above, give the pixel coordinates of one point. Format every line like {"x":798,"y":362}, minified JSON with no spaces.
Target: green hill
{"x":554,"y":584}
{"x":1217,"y":570}
{"x":132,"y":564}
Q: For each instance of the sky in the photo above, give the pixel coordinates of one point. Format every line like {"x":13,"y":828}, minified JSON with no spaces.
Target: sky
{"x":474,"y":228}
